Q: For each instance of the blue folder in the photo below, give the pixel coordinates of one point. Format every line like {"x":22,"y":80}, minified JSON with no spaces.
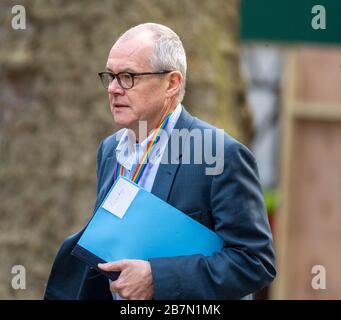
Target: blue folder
{"x":132,"y":223}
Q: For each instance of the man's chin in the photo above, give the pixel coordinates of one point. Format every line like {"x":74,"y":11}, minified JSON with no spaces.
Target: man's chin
{"x":124,"y":123}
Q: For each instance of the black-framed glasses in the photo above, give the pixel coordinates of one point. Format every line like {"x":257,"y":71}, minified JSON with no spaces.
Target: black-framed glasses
{"x":124,"y":79}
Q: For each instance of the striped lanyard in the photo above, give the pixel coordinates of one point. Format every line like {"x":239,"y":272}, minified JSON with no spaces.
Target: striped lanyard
{"x":143,"y":163}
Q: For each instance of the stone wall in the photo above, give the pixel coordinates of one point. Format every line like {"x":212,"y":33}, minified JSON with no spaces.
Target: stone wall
{"x":54,"y":112}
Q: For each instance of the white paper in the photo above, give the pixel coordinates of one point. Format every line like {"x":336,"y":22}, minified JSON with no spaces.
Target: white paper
{"x":120,"y":197}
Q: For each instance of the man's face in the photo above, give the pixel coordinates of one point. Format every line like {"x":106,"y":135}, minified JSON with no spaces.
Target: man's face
{"x":146,"y":99}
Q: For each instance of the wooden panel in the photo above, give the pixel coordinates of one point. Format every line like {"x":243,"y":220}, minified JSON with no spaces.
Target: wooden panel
{"x":318,"y":75}
{"x":321,"y":111}
{"x":308,"y":223}
{"x":314,"y":228}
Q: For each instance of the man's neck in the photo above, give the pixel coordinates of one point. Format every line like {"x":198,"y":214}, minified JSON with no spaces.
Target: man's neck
{"x":143,"y":129}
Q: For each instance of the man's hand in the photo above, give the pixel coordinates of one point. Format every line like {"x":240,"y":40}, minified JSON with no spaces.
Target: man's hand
{"x":135,"y":281}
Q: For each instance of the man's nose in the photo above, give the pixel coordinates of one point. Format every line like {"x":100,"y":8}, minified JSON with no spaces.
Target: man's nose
{"x":115,"y":88}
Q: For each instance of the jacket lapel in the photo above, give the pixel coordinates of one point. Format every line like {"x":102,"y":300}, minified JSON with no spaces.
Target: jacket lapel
{"x":167,"y":171}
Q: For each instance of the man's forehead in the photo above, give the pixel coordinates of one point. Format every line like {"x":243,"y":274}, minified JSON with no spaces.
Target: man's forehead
{"x":134,"y":49}
{"x":133,"y":44}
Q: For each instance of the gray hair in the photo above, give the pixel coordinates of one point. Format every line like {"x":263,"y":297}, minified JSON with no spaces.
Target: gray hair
{"x":169,"y":53}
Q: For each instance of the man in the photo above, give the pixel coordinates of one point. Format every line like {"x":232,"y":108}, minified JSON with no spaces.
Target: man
{"x":145,"y":78}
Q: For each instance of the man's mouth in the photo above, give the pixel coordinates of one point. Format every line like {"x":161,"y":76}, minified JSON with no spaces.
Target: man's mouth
{"x":118,"y":105}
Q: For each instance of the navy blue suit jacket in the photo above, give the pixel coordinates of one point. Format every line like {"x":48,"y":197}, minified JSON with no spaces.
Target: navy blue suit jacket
{"x":230,"y":203}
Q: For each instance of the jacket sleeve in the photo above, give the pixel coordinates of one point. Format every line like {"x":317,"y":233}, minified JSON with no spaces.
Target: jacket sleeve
{"x":246,"y":263}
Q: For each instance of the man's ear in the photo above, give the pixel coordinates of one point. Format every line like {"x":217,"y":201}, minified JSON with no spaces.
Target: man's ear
{"x":175,"y":80}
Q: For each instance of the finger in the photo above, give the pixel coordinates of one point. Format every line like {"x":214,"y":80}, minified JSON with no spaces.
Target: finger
{"x":115,"y":286}
{"x":112,"y":266}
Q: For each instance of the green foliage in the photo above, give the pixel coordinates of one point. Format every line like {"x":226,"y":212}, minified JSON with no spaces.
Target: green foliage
{"x":271,"y":199}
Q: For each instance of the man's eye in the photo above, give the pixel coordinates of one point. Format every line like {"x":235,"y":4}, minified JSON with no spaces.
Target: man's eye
{"x":125,"y":76}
